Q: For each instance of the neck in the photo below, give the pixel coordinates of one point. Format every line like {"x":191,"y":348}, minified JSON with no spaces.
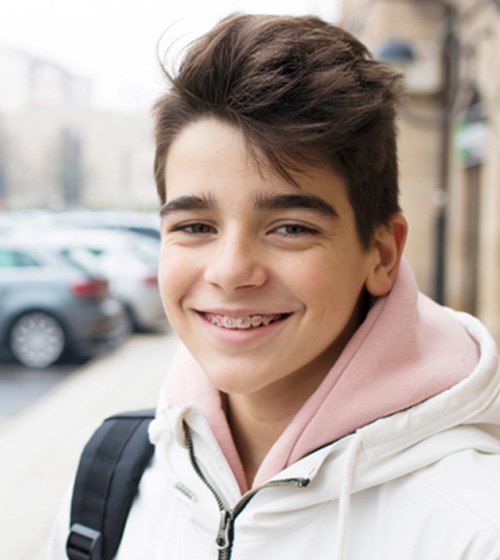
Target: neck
{"x":253,"y":434}
{"x":258,"y":420}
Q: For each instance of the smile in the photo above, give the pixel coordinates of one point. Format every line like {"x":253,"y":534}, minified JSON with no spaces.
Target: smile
{"x":246,"y":322}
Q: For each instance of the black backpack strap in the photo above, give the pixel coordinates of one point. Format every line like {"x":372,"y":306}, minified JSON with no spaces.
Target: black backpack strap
{"x":106,"y":483}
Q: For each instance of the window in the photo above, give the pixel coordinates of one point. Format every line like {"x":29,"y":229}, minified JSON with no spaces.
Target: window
{"x":10,"y":258}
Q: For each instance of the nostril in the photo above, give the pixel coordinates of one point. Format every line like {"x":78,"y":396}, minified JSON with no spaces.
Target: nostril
{"x":235,"y":275}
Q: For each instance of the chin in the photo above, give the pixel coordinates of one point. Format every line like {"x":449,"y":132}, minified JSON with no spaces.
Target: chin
{"x":236,"y":379}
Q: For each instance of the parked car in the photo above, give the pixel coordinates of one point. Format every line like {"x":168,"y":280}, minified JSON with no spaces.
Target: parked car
{"x":8,"y":222}
{"x":144,"y":223}
{"x":128,"y":260}
{"x":51,"y":306}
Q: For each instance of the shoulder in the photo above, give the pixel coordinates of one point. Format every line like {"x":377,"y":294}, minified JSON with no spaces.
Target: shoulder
{"x":468,"y":478}
{"x":153,"y":511}
{"x":449,"y":509}
{"x":461,"y":495}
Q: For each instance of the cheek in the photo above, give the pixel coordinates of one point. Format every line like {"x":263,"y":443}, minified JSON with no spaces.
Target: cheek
{"x":316,"y":277}
{"x":173,"y":275}
{"x":331,"y":290}
{"x":179,"y":274}
{"x":164,"y":284}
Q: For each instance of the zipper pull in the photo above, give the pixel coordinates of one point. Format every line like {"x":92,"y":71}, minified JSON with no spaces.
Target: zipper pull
{"x":222,"y":540}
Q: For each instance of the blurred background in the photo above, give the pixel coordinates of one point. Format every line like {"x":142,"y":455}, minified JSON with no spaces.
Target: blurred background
{"x":82,"y":333}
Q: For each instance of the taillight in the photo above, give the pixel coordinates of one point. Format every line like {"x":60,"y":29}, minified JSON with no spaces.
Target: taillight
{"x":90,"y":288}
{"x":151,"y":280}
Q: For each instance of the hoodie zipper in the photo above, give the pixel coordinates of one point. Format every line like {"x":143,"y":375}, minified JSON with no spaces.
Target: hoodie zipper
{"x":225,"y":533}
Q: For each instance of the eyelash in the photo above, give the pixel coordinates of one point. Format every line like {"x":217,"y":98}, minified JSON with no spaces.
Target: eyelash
{"x":291,"y":229}
{"x":194,"y":228}
{"x":302,"y":230}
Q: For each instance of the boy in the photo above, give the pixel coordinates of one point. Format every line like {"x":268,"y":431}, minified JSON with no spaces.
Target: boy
{"x":320,"y":406}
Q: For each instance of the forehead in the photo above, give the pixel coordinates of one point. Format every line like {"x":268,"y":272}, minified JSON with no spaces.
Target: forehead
{"x":211,"y":158}
{"x":210,"y":146}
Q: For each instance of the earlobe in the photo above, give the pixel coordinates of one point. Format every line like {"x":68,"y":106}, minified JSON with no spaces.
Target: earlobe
{"x":387,"y":248}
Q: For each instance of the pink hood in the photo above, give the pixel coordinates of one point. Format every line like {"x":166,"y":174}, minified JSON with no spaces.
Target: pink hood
{"x":407,"y":350}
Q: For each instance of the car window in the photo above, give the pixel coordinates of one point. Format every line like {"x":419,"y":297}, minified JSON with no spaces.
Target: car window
{"x":147,"y":252}
{"x":83,"y":259}
{"x":95,"y":251}
{"x":16,"y":259}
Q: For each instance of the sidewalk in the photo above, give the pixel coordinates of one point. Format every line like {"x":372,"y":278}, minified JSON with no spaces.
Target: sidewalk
{"x":39,"y":449}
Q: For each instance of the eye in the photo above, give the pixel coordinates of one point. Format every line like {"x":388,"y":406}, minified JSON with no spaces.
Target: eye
{"x":293,"y":229}
{"x":194,"y":228}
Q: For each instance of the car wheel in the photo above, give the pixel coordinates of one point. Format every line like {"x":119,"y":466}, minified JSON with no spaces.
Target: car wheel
{"x":37,"y":339}
{"x":125,"y":329}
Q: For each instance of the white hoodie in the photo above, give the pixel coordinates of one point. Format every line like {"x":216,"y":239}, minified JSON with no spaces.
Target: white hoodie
{"x":395,"y":457}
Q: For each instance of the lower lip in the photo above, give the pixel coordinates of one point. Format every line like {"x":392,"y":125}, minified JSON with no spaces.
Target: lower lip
{"x":239,"y":336}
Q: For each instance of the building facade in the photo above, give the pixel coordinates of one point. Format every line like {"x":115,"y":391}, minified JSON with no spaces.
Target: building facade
{"x":57,"y":150}
{"x":449,"y":139}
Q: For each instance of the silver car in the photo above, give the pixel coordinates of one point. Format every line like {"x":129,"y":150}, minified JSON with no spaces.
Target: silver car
{"x":128,"y":260}
{"x":51,"y":306}
{"x":144,"y":223}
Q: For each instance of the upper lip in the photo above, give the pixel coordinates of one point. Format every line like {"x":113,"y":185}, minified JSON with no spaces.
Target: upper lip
{"x":241,"y":312}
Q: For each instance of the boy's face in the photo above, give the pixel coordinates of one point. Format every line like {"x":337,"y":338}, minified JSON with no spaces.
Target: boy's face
{"x":262,"y":280}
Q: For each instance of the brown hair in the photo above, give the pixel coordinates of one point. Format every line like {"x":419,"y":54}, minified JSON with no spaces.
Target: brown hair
{"x":302,"y":92}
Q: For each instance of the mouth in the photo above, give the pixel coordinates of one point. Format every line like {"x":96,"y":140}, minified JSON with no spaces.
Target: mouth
{"x":246,"y":322}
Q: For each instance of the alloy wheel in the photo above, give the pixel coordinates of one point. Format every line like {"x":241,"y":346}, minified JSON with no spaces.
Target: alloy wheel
{"x":37,"y":340}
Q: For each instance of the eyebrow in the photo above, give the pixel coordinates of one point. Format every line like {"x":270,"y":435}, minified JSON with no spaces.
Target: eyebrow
{"x":191,"y":202}
{"x":262,"y":202}
{"x":291,"y":201}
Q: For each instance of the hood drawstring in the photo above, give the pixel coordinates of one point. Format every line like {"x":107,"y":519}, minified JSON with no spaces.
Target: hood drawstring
{"x":345,"y":497}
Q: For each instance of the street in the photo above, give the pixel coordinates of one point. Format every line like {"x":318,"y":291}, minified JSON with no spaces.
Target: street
{"x":41,"y":440}
{"x":20,"y":386}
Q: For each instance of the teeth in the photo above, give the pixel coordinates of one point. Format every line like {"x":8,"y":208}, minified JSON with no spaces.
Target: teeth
{"x":256,"y":320}
{"x":247,"y":322}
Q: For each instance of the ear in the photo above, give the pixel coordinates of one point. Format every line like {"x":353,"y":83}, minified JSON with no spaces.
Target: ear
{"x":386,"y":247}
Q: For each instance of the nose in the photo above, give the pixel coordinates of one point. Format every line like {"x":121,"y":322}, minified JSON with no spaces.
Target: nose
{"x":235,"y":262}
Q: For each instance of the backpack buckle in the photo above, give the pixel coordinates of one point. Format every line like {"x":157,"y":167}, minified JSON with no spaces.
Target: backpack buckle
{"x":83,"y":543}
